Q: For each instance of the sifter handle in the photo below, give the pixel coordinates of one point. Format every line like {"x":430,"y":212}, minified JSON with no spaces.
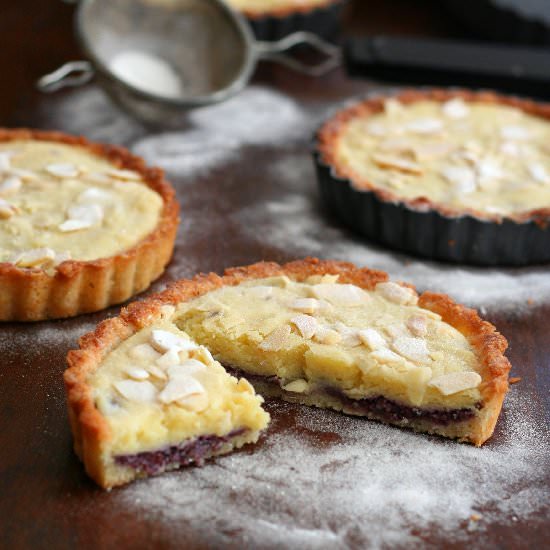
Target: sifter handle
{"x":450,"y":63}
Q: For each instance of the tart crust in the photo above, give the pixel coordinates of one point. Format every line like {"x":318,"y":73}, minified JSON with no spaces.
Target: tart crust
{"x":85,"y":286}
{"x":330,"y":132}
{"x":287,"y":11}
{"x":90,"y":429}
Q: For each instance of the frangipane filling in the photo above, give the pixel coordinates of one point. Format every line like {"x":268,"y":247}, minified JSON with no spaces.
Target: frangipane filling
{"x":169,"y":403}
{"x":491,"y":158}
{"x":377,"y":350}
{"x":61,"y":202}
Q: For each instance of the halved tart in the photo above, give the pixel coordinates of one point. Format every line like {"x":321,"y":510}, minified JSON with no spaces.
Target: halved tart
{"x":447,"y":174}
{"x":325,"y":334}
{"x":82,"y":225}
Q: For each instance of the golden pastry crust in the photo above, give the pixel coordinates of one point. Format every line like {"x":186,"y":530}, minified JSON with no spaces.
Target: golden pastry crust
{"x":84,"y":286}
{"x":330,"y":133}
{"x":90,"y":428}
{"x":289,"y":10}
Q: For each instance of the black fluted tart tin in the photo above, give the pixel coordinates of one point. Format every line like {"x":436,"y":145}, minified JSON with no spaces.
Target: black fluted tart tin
{"x":323,"y":21}
{"x":426,"y":232}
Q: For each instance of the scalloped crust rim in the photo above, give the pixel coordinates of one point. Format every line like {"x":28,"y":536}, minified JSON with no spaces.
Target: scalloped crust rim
{"x":330,"y":132}
{"x":85,"y":286}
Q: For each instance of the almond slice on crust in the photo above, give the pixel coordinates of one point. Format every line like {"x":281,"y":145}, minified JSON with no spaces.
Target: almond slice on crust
{"x":449,"y":384}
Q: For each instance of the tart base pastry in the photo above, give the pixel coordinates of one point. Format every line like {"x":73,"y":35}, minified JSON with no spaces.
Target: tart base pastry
{"x":41,"y":283}
{"x":325,"y":334}
{"x":448,"y":174}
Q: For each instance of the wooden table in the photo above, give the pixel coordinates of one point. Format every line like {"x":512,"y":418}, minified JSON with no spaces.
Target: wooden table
{"x":46,"y":500}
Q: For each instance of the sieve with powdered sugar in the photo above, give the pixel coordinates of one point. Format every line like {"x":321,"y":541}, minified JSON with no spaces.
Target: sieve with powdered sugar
{"x":160,"y":58}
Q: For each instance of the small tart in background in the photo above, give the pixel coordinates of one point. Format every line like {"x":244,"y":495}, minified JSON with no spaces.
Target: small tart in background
{"x":325,"y":334}
{"x":458,"y":175}
{"x":82,"y":225}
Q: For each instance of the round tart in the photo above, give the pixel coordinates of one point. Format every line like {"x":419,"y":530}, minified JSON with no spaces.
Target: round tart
{"x":274,"y":19}
{"x":453,"y":175}
{"x":82,"y":225}
{"x":325,"y":334}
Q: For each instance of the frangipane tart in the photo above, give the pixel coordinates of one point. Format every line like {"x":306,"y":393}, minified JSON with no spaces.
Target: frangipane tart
{"x":453,"y":175}
{"x":325,"y":334}
{"x":275,"y":19}
{"x":82,"y":225}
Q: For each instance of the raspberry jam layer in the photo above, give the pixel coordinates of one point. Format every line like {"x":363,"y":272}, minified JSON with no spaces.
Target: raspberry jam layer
{"x":195,"y":451}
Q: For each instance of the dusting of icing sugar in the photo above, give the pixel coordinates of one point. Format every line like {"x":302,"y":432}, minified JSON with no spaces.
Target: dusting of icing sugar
{"x":372,"y":484}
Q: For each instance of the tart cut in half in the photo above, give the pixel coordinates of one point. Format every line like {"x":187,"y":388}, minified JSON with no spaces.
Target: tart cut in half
{"x":452,"y":175}
{"x":82,"y":225}
{"x":325,"y":334}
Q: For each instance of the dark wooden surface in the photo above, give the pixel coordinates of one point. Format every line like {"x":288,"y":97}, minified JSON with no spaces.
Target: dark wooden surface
{"x":46,"y":501}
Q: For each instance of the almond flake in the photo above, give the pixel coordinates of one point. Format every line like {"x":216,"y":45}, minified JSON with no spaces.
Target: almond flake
{"x":397,"y":163}
{"x":140,"y":392}
{"x":10,"y":185}
{"x":489,"y":168}
{"x":306,"y":305}
{"x":537,"y":170}
{"x":385,"y":355}
{"x":170,"y":358}
{"x":392,"y":107}
{"x":156,"y":372}
{"x":462,"y":178}
{"x":163,"y":340}
{"x":74,"y":225}
{"x":136,"y":373}
{"x":372,"y":338}
{"x":425,"y":126}
{"x":144,"y":352}
{"x":376,"y":129}
{"x":306,"y":324}
{"x":62,"y":170}
{"x":341,"y":294}
{"x":510,"y":148}
{"x":95,"y":194}
{"x":350,"y":336}
{"x":327,"y":336}
{"x":397,"y":294}
{"x":187,"y":368}
{"x":34,"y":257}
{"x":297,"y":386}
{"x":82,"y":216}
{"x":277,"y":339}
{"x":5,"y":160}
{"x":7,"y":210}
{"x":126,"y":175}
{"x":455,"y":382}
{"x":515,"y":133}
{"x":418,"y":325}
{"x":415,"y":349}
{"x":97,"y":177}
{"x":197,"y":402}
{"x":455,"y":108}
{"x":427,"y":151}
{"x":180,"y":387}
{"x":260,"y":291}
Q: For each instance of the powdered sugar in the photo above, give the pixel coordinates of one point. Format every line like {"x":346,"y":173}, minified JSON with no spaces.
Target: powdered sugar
{"x":329,"y":479}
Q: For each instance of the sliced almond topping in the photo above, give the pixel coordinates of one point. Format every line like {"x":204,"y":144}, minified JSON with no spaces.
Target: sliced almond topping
{"x":350,"y":336}
{"x":397,"y":163}
{"x":197,"y":402}
{"x":126,"y":175}
{"x":180,"y":387}
{"x":392,"y":107}
{"x":297,"y":386}
{"x":82,"y":216}
{"x":385,"y":355}
{"x":415,"y":349}
{"x":277,"y":339}
{"x":260,"y":291}
{"x":156,"y":372}
{"x":489,"y":168}
{"x":144,"y":352}
{"x":34,"y":257}
{"x":306,"y":324}
{"x":418,"y":325}
{"x":376,"y":129}
{"x":372,"y":338}
{"x":399,"y":145}
{"x":397,"y":294}
{"x":163,"y":340}
{"x":187,"y":368}
{"x":10,"y":185}
{"x":425,"y":126}
{"x":537,"y":171}
{"x":327,"y":336}
{"x":136,"y":373}
{"x":463,"y":178}
{"x":455,"y":108}
{"x":341,"y":294}
{"x":62,"y":170}
{"x":510,"y":148}
{"x":427,"y":151}
{"x":455,"y":382}
{"x":97,"y":177}
{"x":396,"y":330}
{"x":515,"y":133}
{"x":140,"y":392}
{"x":95,"y":194}
{"x":170,"y":358}
{"x":306,"y":305}
{"x":25,"y":175}
{"x":5,"y":160}
{"x":7,"y":210}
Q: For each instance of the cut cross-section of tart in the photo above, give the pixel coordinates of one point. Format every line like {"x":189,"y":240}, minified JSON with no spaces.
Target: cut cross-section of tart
{"x":325,"y":334}
{"x":82,"y":225}
{"x":146,"y":400}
